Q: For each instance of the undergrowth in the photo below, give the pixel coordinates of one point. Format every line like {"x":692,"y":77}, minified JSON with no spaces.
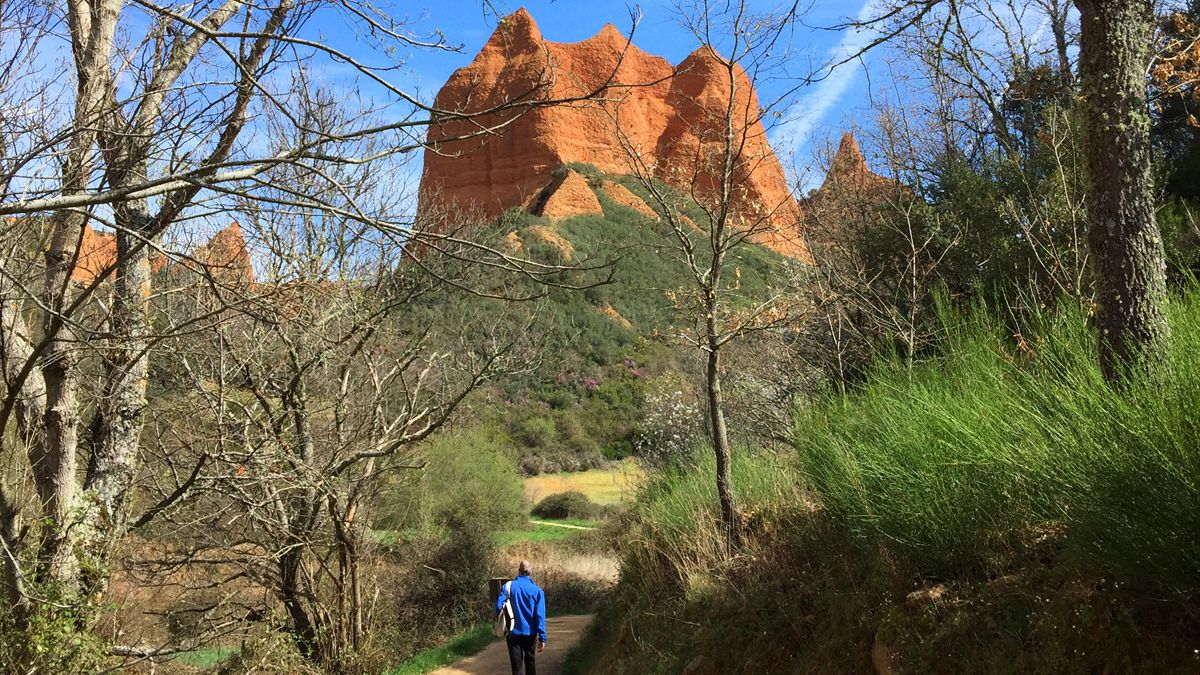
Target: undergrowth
{"x":999,"y":507}
{"x":959,"y":466}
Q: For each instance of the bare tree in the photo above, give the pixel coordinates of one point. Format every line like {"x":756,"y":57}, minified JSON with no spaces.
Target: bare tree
{"x":705,"y":172}
{"x":161,"y":130}
{"x":312,"y":399}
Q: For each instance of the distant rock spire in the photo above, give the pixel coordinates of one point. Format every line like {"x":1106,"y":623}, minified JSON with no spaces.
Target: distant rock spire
{"x":516,"y":34}
{"x":849,"y":159}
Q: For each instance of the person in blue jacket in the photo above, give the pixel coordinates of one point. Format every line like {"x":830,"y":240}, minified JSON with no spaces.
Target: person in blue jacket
{"x":528,"y":635}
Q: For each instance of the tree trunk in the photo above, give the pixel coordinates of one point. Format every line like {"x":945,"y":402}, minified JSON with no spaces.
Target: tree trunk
{"x":92,"y":27}
{"x":29,"y":395}
{"x":12,"y":591}
{"x":55,"y":469}
{"x":118,"y":428}
{"x":731,"y":517}
{"x":292,"y":595}
{"x":1124,"y":239}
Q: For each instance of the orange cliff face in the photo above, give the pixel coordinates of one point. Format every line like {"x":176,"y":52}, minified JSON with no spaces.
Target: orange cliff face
{"x":224,"y":256}
{"x":97,"y":253}
{"x":849,"y":197}
{"x":665,"y":115}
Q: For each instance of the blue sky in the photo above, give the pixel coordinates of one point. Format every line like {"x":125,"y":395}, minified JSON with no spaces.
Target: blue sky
{"x":820,"y":112}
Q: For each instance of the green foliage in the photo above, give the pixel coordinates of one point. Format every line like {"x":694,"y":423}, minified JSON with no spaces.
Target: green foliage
{"x":676,"y":536}
{"x":50,"y":642}
{"x":469,"y":481}
{"x":1053,"y":511}
{"x":598,"y":343}
{"x":534,"y":432}
{"x":580,"y":167}
{"x":461,"y":646}
{"x":465,"y":562}
{"x":207,"y":658}
{"x":544,"y":533}
{"x":959,"y":467}
{"x":1179,"y":220}
{"x":572,"y":504}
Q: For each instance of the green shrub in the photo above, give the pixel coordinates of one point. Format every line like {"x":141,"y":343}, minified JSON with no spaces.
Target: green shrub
{"x":963,"y":465}
{"x":675,"y":537}
{"x":534,"y":432}
{"x":571,"y":504}
{"x":469,"y":480}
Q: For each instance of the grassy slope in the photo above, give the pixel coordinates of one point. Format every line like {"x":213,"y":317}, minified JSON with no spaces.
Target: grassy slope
{"x":584,"y":404}
{"x":999,"y":509}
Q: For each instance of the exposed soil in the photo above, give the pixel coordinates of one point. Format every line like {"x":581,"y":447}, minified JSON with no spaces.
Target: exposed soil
{"x":563,"y":631}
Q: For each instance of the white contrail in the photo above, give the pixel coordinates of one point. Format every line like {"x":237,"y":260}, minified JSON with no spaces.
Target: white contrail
{"x":811,"y":109}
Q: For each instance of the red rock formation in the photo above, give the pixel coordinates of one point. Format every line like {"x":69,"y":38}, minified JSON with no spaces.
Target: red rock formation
{"x":226,"y":257}
{"x":850,"y":196}
{"x":663,"y":113}
{"x":225,"y":254}
{"x":567,"y":196}
{"x":97,"y":253}
{"x":622,"y":195}
{"x":849,"y":172}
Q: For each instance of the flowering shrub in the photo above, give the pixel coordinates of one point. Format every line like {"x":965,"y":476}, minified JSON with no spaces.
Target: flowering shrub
{"x":671,"y":429}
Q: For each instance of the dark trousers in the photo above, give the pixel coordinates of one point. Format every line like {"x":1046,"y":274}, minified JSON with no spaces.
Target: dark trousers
{"x":522,"y":650}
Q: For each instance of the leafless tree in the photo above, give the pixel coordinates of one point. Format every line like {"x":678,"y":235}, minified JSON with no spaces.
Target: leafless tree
{"x":705,"y":172}
{"x":310,"y":400}
{"x":161,"y":126}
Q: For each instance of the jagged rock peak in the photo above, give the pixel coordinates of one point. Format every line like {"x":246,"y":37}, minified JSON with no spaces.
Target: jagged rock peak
{"x":609,"y":35}
{"x":664,"y":115}
{"x":567,"y":196}
{"x":516,"y":33}
{"x":849,"y":158}
{"x":225,"y":253}
{"x":97,"y":253}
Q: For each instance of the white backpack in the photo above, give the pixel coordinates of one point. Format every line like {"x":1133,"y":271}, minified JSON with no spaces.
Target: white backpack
{"x":503,"y":624}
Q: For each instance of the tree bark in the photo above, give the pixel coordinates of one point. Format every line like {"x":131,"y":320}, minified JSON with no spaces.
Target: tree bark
{"x":1123,"y":237}
{"x":16,"y":352}
{"x":731,"y":517}
{"x":118,"y":429}
{"x":92,"y":26}
{"x":12,"y":590}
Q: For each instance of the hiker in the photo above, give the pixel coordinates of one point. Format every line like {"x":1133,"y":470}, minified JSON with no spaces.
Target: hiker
{"x":528,"y":631}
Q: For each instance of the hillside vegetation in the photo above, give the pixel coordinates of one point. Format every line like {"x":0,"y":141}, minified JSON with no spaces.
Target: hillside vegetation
{"x":607,"y":339}
{"x":999,"y":506}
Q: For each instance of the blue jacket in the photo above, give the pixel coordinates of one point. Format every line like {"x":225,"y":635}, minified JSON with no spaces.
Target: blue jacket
{"x":529,"y":606}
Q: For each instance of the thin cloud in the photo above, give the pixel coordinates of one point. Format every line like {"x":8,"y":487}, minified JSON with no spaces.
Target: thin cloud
{"x":811,"y":110}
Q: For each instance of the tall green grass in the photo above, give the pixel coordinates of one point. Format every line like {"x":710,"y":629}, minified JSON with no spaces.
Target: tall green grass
{"x":676,"y":537}
{"x":1007,"y":447}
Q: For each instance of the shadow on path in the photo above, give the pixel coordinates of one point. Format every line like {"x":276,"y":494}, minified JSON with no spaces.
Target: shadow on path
{"x":563,"y":631}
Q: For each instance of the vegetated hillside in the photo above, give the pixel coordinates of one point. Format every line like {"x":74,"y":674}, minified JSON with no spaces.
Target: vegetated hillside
{"x":602,"y":349}
{"x":999,"y":508}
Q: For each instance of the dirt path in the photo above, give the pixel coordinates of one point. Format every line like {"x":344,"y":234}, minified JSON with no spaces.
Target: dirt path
{"x":563,"y":631}
{"x":562,"y":525}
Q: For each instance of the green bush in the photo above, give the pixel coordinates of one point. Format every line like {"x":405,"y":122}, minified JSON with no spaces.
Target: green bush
{"x":534,"y":432}
{"x":571,"y":504}
{"x":963,"y":465}
{"x":469,"y":480}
